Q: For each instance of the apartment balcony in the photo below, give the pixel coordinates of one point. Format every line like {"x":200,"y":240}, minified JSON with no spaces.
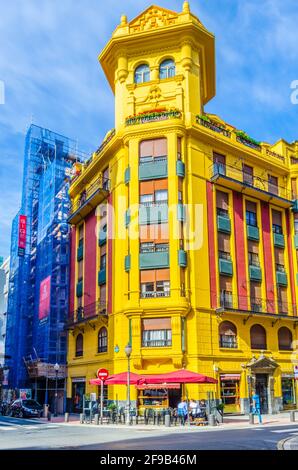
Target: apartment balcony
{"x":253,"y":233}
{"x":79,"y":289}
{"x":295,"y":206}
{"x":154,"y":260}
{"x":256,"y":306}
{"x":223,"y":223}
{"x":127,"y":263}
{"x":182,"y":258}
{"x":89,"y":200}
{"x":127,"y":218}
{"x":225,"y":264}
{"x":102,"y":277}
{"x":80,"y":253}
{"x":181,"y":213}
{"x":155,"y":294}
{"x":250,"y":185}
{"x":281,"y":276}
{"x":180,"y":169}
{"x":87,"y":313}
{"x":102,"y":237}
{"x":154,"y":169}
{"x":278,"y":240}
{"x":153,"y":213}
{"x":127,"y":175}
{"x":255,"y":273}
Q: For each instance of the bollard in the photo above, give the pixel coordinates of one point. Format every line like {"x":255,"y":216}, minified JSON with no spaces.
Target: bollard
{"x":81,"y":418}
{"x":45,"y":410}
{"x":211,"y":420}
{"x":167,"y":420}
{"x":292,"y":416}
{"x":251,"y":418}
{"x":49,"y":416}
{"x":66,"y":417}
{"x":134,"y":420}
{"x":96,"y":419}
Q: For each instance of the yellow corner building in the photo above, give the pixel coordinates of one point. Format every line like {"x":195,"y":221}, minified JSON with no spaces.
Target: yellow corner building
{"x":184,"y":233}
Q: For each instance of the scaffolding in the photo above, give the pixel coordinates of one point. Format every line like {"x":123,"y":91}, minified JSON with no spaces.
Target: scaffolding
{"x":38,"y":297}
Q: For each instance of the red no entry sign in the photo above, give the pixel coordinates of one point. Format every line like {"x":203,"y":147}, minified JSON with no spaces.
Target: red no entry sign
{"x":102,"y":374}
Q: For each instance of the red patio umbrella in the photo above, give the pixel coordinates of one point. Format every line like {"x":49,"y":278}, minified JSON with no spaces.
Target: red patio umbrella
{"x":119,"y":379}
{"x":182,"y":376}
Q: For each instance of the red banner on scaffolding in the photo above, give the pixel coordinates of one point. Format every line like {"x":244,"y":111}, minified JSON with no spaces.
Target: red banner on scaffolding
{"x":22,"y":235}
{"x":44,"y":298}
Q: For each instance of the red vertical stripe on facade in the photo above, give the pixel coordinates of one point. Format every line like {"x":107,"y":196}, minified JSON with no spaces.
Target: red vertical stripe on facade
{"x":72,"y":271}
{"x":110,"y":254}
{"x":90,"y":274}
{"x":268,"y":262}
{"x":240,"y":251}
{"x":211,"y":242}
{"x":291,"y":264}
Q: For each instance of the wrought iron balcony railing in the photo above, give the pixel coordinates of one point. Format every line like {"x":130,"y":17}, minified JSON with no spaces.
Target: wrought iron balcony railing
{"x":91,"y":311}
{"x":89,"y":199}
{"x":155,"y":294}
{"x":231,"y":302}
{"x":238,"y":179}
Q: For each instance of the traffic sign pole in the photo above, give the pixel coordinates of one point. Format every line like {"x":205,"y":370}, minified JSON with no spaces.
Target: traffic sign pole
{"x":101,"y":402}
{"x":102,"y":375}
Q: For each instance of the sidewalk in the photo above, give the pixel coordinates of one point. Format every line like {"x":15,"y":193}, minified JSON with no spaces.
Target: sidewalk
{"x":73,"y":418}
{"x":230,"y":422}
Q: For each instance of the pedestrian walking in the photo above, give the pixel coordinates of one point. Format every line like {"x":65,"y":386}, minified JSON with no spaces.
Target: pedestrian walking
{"x":182,"y":412}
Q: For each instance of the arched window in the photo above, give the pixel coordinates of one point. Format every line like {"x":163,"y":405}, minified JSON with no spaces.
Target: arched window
{"x":103,"y":340}
{"x":142,"y":74}
{"x":79,"y":345}
{"x":167,"y":69}
{"x":258,"y":337}
{"x":285,"y":339}
{"x":227,"y":335}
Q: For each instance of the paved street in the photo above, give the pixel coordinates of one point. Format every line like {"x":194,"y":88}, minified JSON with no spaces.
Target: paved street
{"x":30,"y":434}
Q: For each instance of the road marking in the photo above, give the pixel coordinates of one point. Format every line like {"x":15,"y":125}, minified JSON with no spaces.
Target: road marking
{"x":280,"y":431}
{"x":7,"y":428}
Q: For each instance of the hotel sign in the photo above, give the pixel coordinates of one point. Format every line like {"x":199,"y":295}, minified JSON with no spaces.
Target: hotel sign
{"x":22,"y":235}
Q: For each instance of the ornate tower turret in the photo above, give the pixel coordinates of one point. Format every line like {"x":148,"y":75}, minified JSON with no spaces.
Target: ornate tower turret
{"x":134,"y":57}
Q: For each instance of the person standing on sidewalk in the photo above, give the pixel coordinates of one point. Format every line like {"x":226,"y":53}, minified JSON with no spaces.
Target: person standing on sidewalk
{"x":182,"y":411}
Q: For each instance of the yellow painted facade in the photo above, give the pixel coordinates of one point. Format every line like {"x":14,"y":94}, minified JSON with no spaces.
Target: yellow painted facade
{"x":154,"y":36}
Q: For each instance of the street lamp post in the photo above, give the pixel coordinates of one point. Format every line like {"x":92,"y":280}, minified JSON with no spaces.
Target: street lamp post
{"x":128,"y":350}
{"x":56,"y":367}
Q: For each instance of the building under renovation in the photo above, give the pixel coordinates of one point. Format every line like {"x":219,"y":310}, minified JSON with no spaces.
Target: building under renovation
{"x":38,"y":294}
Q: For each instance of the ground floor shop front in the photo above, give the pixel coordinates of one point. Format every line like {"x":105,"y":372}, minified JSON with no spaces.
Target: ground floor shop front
{"x":275,"y":383}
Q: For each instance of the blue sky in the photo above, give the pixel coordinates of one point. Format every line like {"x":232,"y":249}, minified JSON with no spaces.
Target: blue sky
{"x":48,"y":62}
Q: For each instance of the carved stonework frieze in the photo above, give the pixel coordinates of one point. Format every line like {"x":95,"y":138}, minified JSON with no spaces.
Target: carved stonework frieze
{"x":153,"y":18}
{"x":154,"y":94}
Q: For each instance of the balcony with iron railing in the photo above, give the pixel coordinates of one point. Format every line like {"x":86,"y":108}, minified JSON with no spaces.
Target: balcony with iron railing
{"x":225,"y":263}
{"x":153,"y":168}
{"x":87,"y":313}
{"x":237,"y":179}
{"x":230,"y":302}
{"x":89,"y":200}
{"x":155,"y":294}
{"x":153,"y":212}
